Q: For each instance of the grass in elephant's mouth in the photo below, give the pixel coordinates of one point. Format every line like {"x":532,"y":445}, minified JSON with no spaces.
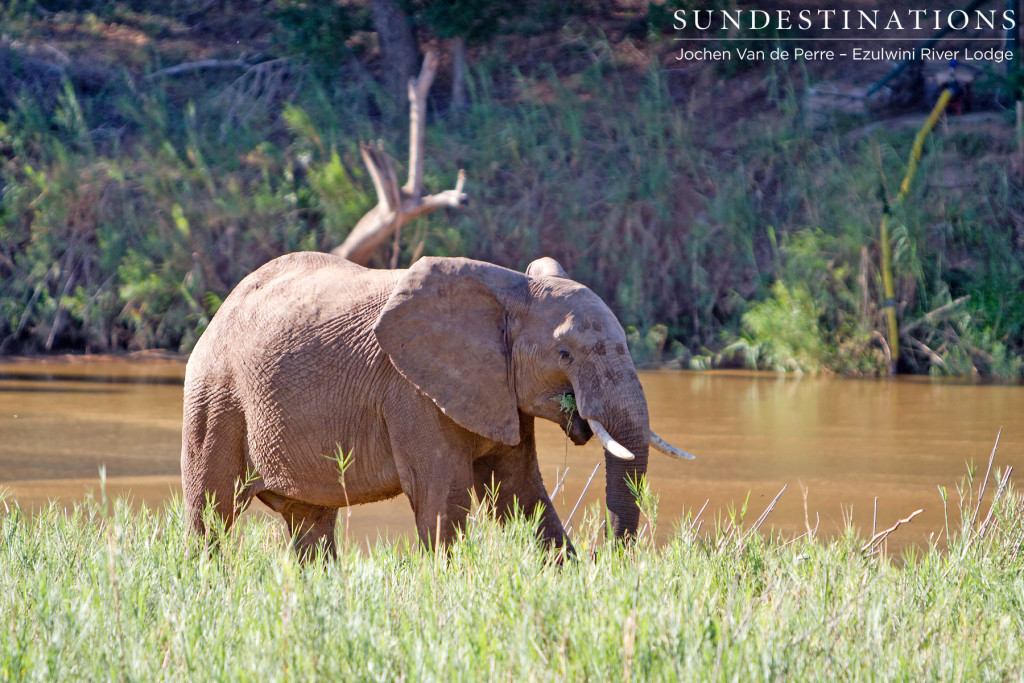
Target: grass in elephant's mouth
{"x":105,"y":592}
{"x":567,"y":404}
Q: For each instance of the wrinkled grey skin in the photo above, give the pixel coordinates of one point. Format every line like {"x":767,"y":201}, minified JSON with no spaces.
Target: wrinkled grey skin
{"x":431,"y":377}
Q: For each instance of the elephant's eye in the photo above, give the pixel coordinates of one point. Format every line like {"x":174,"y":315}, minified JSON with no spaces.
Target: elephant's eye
{"x":564,"y":355}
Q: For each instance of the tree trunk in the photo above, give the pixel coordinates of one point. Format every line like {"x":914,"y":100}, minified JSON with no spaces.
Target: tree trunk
{"x":458,"y":74}
{"x":397,"y":45}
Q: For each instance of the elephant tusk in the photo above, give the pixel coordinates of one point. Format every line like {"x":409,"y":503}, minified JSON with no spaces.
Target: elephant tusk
{"x":611,"y":445}
{"x":668,"y":449}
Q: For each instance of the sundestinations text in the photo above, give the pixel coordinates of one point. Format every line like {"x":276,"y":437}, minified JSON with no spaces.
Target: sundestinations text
{"x":844,"y":19}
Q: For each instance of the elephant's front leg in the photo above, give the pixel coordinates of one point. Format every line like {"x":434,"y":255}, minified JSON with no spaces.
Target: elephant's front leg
{"x":515,"y":473}
{"x":440,"y":499}
{"x":436,"y":473}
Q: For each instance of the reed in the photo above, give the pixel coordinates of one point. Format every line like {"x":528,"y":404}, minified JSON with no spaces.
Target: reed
{"x":102,"y":591}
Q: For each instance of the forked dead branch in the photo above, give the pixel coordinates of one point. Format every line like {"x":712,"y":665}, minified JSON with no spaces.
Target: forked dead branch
{"x":397,"y":205}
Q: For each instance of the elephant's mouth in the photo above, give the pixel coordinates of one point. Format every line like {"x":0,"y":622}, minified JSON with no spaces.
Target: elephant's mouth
{"x":578,"y":430}
{"x":575,"y":427}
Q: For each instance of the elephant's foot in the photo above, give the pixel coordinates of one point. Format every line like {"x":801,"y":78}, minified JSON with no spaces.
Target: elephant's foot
{"x":205,"y":508}
{"x":439,"y":522}
{"x":553,"y":535}
{"x":312,"y":532}
{"x":565,"y":553}
{"x":510,"y":477}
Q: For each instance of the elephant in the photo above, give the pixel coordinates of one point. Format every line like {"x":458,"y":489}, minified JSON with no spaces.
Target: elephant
{"x":430,"y":377}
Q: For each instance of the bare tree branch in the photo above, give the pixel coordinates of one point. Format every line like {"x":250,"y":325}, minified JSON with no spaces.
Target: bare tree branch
{"x":262,"y":87}
{"x":382,"y":171}
{"x":872,"y":545}
{"x":396,"y":205}
{"x":199,"y":65}
{"x":418,"y":89}
{"x":932,"y":315}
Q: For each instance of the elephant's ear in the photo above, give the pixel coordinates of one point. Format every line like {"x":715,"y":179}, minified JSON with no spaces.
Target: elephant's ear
{"x":445,"y":329}
{"x":546,"y":266}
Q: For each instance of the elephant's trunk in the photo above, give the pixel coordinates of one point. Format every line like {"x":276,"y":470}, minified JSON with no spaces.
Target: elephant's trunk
{"x":625,"y":515}
{"x":627,"y":423}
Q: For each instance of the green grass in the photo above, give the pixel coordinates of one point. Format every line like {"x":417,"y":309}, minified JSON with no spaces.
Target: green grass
{"x":105,"y":592}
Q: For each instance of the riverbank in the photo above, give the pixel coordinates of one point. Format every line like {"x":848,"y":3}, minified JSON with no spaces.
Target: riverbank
{"x":721,"y":224}
{"x":105,"y":592}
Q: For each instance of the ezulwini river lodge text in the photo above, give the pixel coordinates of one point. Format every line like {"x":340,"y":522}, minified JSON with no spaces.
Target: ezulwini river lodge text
{"x":844,"y":19}
{"x":876,"y":54}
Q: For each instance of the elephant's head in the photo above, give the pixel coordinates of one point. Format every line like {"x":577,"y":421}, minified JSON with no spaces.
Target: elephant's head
{"x":486,"y":343}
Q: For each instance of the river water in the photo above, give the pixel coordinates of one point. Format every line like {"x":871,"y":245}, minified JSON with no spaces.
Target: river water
{"x":845,"y":443}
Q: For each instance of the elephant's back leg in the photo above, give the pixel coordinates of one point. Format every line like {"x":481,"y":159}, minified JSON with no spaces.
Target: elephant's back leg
{"x":213,"y":458}
{"x":310,"y":527}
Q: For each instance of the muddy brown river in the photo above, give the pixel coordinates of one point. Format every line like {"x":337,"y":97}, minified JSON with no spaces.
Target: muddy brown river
{"x":844,"y":442}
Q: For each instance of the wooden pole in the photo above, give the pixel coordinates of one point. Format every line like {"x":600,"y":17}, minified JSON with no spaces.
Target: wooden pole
{"x":888,"y":285}
{"x":889,"y":304}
